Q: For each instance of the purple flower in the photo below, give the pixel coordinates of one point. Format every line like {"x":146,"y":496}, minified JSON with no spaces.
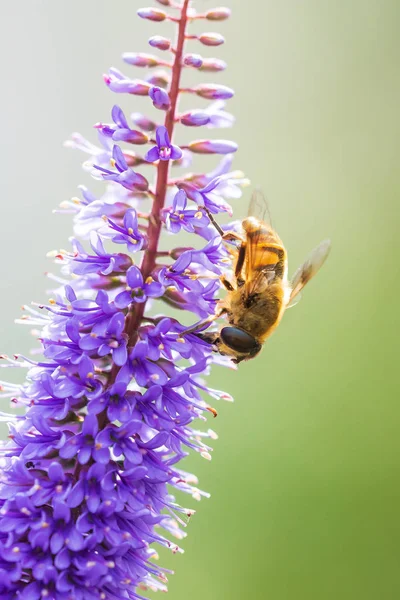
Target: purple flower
{"x":90,"y":470}
{"x":160,"y":98}
{"x":138,"y":290}
{"x":129,"y":234}
{"x":179,"y":217}
{"x":123,"y":175}
{"x":164,"y":149}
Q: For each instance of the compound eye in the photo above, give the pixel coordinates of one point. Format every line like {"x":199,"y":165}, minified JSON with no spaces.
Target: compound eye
{"x":238,"y":340}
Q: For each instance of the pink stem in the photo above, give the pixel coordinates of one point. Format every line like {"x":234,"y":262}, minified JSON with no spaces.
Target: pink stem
{"x":134,"y":318}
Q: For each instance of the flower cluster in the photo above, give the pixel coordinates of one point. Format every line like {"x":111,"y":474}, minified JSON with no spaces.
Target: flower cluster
{"x":88,"y":472}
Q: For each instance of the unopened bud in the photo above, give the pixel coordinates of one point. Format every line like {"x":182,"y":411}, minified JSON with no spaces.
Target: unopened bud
{"x":120,"y":85}
{"x":160,"y":98}
{"x":213,"y":65}
{"x":140,"y":59}
{"x":195,"y":118}
{"x":213,"y":146}
{"x":213,"y":91}
{"x":211,"y":39}
{"x":153,"y":14}
{"x":175,"y":253}
{"x":132,"y":160}
{"x":164,"y":2}
{"x":131,"y":136}
{"x":218,"y":14}
{"x":143,"y":122}
{"x":193,"y":60}
{"x":162,"y":43}
{"x":159,"y":79}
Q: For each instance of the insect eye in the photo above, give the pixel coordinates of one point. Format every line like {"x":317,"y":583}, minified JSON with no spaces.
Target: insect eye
{"x":238,"y":340}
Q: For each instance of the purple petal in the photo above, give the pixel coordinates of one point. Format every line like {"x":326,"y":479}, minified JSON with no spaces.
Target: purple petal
{"x":152,"y":155}
{"x":162,"y":136}
{"x":120,"y":355}
{"x":180,"y":201}
{"x":154,"y":289}
{"x":134,"y":277}
{"x":176,"y":153}
{"x":123,"y":300}
{"x":116,"y":325}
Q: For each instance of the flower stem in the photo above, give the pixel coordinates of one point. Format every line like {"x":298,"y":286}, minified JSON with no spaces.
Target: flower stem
{"x":149,"y":259}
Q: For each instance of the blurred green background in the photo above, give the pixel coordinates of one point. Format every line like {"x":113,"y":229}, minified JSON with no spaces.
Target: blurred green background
{"x":305,"y":474}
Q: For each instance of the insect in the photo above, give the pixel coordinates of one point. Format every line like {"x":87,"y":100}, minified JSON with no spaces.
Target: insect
{"x":256,"y":301}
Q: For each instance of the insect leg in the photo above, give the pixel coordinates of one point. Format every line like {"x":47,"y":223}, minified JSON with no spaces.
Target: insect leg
{"x":204,"y":323}
{"x":240,"y":260}
{"x":226,"y":235}
{"x":227,"y":284}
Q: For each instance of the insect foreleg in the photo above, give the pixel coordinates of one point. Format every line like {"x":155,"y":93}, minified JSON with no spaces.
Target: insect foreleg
{"x":228,"y":236}
{"x":199,"y":326}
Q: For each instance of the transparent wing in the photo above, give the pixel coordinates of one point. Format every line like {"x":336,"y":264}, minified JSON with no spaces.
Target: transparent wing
{"x":260,"y":260}
{"x":308,"y":269}
{"x":258,"y":206}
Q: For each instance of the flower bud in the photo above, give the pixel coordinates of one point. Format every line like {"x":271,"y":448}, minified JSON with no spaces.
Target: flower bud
{"x":213,"y":146}
{"x":140,"y":59}
{"x":195,"y":118}
{"x":132,"y":160}
{"x":213,"y":65}
{"x":160,"y":98}
{"x":213,"y":91}
{"x":121,"y":85}
{"x":159,"y":79}
{"x":162,"y":43}
{"x":131,"y":136}
{"x":193,"y":60}
{"x":152,"y":14}
{"x":175,"y":253}
{"x":164,"y":2}
{"x":211,"y":39}
{"x":143,"y":122}
{"x":218,"y":14}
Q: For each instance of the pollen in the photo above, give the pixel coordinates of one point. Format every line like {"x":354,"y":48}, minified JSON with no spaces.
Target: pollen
{"x":149,"y":280}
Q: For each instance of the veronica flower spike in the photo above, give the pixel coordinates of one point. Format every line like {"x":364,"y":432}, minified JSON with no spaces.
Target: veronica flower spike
{"x":119,"y":397}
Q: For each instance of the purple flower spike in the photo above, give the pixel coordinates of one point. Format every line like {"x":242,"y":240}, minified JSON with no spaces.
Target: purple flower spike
{"x":89,"y":472}
{"x":160,"y":98}
{"x":164,"y":149}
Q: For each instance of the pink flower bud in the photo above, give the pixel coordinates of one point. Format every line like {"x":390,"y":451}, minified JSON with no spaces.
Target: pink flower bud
{"x":140,"y":59}
{"x":132,"y":159}
{"x":218,"y":14}
{"x":162,"y":43}
{"x":212,"y":65}
{"x":143,"y":122}
{"x":213,"y":91}
{"x":211,"y":39}
{"x":193,"y":60}
{"x":153,"y":14}
{"x":159,"y":78}
{"x":195,"y":118}
{"x":213,"y":147}
{"x":131,"y":136}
